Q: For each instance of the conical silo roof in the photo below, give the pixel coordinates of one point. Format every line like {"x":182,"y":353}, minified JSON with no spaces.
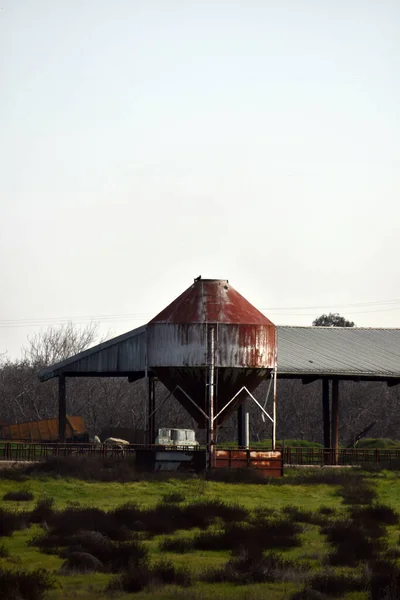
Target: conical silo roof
{"x":211,"y":301}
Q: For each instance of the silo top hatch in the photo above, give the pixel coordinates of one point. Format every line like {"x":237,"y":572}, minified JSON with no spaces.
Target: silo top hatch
{"x":211,"y":301}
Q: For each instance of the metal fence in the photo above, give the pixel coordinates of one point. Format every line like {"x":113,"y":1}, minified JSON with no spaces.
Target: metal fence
{"x":342,"y":456}
{"x":14,"y":452}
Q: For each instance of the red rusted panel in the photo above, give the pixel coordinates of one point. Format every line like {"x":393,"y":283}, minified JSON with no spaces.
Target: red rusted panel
{"x":268,"y":464}
{"x":211,"y":301}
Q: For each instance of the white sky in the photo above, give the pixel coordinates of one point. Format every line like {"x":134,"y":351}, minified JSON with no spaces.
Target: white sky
{"x":145,"y":142}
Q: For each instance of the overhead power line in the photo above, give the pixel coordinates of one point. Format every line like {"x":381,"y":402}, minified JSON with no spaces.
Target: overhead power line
{"x":387,"y":306}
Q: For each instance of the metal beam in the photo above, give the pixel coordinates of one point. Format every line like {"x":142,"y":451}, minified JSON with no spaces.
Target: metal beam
{"x":62,"y":409}
{"x":307,"y":380}
{"x":393,"y":382}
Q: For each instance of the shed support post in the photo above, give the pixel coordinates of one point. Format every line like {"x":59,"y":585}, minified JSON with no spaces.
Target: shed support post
{"x":62,"y":408}
{"x":244,"y":425}
{"x":211,"y":394}
{"x":274,"y":408}
{"x":335,"y":420}
{"x":326,"y":417}
{"x":151,"y":417}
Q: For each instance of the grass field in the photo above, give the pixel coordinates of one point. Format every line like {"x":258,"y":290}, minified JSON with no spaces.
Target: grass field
{"x":315,"y":533}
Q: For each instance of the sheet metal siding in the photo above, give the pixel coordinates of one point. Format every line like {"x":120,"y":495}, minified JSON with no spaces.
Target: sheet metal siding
{"x":339,"y":351}
{"x":128,"y":355}
{"x":181,"y":345}
{"x":250,"y":346}
{"x":185,"y":345}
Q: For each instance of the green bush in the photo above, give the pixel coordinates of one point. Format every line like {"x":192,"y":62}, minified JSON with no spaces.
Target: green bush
{"x":378,"y":443}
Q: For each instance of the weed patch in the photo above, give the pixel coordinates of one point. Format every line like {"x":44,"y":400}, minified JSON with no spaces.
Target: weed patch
{"x":173,"y":497}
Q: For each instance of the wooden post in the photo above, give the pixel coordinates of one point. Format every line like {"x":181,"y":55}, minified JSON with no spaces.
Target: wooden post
{"x":326,"y":418}
{"x":335,"y":420}
{"x":62,"y":409}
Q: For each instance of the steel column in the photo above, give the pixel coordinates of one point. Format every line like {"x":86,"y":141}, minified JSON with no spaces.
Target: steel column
{"x":211,"y":394}
{"x":244,"y":425}
{"x":274,"y":409}
{"x":335,"y":420}
{"x":62,"y":409}
{"x":326,"y":413}
{"x":151,"y":418}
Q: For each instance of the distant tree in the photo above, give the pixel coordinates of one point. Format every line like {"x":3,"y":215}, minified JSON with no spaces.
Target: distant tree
{"x":57,"y":343}
{"x":332,"y":320}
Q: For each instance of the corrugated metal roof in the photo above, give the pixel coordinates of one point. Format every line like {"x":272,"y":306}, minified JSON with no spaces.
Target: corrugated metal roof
{"x":121,"y":355}
{"x":347,"y":351}
{"x":302,"y":351}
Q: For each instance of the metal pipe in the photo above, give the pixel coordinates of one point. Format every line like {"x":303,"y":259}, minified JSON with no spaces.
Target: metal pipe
{"x":274,"y":408}
{"x":211,"y":372}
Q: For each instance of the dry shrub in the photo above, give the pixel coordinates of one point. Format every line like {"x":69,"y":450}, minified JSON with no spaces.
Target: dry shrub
{"x":251,"y":566}
{"x":11,"y":521}
{"x":74,"y":519}
{"x":353,"y":542}
{"x":81,"y":562}
{"x":19,"y":496}
{"x":25,"y":585}
{"x":4,"y":552}
{"x":134,"y":579}
{"x":377,"y":513}
{"x":384,"y":580}
{"x":336,"y":584}
{"x":357,"y":492}
{"x":43,"y":511}
{"x":114,"y":556}
{"x":165,"y":572}
{"x":264,"y":534}
{"x":166,"y":518}
{"x":89,"y":468}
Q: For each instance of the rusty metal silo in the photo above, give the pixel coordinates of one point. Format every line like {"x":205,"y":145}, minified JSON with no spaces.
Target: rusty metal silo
{"x":211,"y":348}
